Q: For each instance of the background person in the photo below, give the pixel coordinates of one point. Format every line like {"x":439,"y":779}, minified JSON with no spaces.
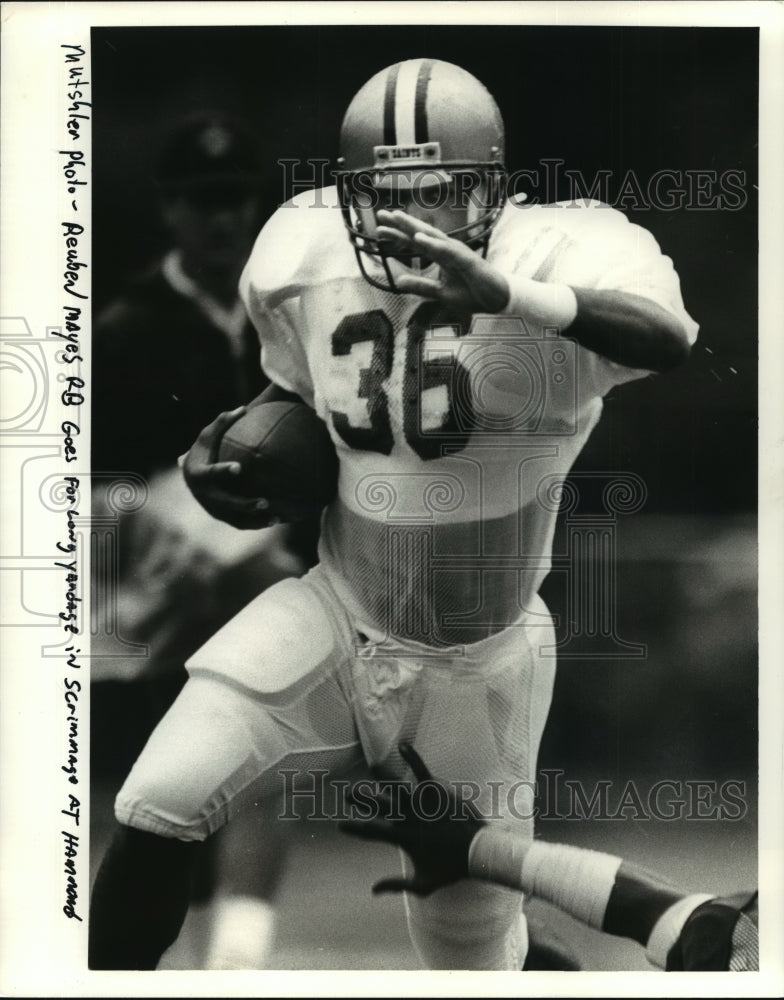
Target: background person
{"x":175,"y":345}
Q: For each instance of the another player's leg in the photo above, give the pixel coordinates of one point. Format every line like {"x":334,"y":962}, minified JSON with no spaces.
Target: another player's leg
{"x":220,"y":746}
{"x":251,"y":858}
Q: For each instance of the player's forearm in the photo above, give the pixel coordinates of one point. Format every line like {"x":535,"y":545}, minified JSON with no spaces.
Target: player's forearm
{"x":598,"y":889}
{"x":579,"y":882}
{"x":626,"y":328}
{"x":629,"y":329}
{"x":636,"y":902}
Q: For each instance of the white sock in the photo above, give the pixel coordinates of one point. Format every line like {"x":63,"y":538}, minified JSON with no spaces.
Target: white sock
{"x":242,"y":933}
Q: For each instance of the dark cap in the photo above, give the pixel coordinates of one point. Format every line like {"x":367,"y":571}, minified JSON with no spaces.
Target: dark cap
{"x":208,"y":151}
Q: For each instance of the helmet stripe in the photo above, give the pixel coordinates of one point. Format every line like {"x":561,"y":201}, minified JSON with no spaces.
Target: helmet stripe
{"x":405,"y":102}
{"x":420,"y":101}
{"x":405,"y":99}
{"x":389,"y":105}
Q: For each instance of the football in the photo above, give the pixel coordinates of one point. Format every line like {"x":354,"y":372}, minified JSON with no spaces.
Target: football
{"x":286,"y":456}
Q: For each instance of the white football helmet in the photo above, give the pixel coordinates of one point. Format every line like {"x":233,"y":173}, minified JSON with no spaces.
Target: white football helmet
{"x":421,"y":128}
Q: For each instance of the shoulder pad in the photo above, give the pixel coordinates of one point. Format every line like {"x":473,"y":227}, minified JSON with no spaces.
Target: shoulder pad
{"x":299,"y":242}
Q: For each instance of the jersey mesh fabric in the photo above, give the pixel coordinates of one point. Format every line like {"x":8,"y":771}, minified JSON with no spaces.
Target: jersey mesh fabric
{"x":453,"y":432}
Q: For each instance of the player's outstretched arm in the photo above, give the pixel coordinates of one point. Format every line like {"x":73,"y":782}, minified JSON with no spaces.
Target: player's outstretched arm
{"x":629,"y":329}
{"x":679,"y":930}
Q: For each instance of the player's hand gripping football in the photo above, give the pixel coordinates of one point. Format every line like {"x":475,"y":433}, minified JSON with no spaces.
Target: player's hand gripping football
{"x":467,"y":282}
{"x":438,"y":847}
{"x":213,"y":483}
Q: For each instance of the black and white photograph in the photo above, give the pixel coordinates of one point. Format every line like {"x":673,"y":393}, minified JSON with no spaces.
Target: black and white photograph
{"x":391,"y":513}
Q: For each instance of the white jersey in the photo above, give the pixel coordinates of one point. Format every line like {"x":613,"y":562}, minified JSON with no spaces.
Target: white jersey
{"x":452,"y":439}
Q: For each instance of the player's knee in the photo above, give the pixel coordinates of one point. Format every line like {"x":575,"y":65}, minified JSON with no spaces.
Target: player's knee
{"x":149,"y":802}
{"x":468,"y":925}
{"x":466,"y":909}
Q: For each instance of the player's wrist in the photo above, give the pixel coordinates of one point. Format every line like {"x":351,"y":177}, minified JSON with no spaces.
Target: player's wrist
{"x":545,"y":304}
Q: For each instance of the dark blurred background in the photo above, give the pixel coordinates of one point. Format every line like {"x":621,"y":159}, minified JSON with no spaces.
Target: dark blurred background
{"x":613,"y":99}
{"x":617,"y":99}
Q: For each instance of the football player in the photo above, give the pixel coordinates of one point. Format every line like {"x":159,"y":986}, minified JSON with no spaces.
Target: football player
{"x":458,"y":346}
{"x":447,"y":840}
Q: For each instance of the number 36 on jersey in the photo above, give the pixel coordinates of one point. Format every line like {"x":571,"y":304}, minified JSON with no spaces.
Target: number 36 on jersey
{"x":434,"y":384}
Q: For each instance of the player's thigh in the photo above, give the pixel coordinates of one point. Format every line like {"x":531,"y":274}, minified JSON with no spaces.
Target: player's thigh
{"x":264,"y":696}
{"x":475,"y":716}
